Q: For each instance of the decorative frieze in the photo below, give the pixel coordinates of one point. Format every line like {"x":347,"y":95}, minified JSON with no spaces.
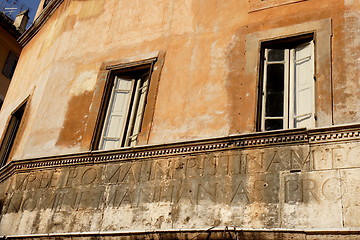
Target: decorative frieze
{"x":241,"y":141}
{"x":250,"y":180}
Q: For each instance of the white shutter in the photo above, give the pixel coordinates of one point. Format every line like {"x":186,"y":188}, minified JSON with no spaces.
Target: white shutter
{"x":302,"y":87}
{"x":138,"y":111}
{"x":114,"y":128}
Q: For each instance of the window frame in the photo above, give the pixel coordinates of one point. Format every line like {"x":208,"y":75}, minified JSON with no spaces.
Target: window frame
{"x":12,"y":131}
{"x":322,"y":32}
{"x":289,"y":46}
{"x":132,"y":106}
{"x":106,"y":76}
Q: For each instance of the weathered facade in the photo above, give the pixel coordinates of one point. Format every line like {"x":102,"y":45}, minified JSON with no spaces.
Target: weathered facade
{"x":184,"y":120}
{"x":10,"y":49}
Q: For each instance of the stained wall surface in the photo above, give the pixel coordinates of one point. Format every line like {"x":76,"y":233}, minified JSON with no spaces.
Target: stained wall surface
{"x":206,"y":87}
{"x":293,"y":180}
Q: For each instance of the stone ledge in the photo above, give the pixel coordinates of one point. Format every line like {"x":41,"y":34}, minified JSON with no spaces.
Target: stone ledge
{"x":222,"y":233}
{"x":39,"y":22}
{"x":346,"y":133}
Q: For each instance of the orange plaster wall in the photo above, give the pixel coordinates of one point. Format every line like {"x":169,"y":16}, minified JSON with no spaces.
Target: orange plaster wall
{"x":202,"y":91}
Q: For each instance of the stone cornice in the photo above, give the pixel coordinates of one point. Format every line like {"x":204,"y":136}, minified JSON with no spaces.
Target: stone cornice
{"x":220,"y":232}
{"x":39,"y":22}
{"x":335,"y":134}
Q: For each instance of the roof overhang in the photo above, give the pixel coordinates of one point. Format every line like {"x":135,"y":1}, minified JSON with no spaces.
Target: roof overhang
{"x":47,"y":12}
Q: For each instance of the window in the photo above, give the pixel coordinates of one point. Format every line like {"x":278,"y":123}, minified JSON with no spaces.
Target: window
{"x":10,"y":134}
{"x":287,"y":37}
{"x":10,"y":65}
{"x":288,"y":89}
{"x":125,"y":106}
{"x":125,"y":102}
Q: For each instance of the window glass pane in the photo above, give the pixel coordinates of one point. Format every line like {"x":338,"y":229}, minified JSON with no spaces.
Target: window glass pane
{"x":275,"y":55}
{"x":273,"y":124}
{"x":275,"y":91}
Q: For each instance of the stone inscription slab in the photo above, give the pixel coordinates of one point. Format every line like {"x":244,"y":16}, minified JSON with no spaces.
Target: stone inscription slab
{"x":231,"y":178}
{"x":251,"y":188}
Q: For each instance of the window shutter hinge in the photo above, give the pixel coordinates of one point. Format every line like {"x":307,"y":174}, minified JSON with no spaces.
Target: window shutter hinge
{"x":314,"y":78}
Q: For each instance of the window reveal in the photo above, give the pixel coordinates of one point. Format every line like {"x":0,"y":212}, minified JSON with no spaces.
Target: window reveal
{"x":10,"y":65}
{"x":10,"y":134}
{"x":125,"y":109}
{"x":288,"y":88}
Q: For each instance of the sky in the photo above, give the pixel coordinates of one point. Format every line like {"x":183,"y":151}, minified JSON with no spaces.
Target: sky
{"x":12,"y":7}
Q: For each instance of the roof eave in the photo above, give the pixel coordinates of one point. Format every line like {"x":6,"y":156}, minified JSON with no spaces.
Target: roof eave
{"x":47,"y":12}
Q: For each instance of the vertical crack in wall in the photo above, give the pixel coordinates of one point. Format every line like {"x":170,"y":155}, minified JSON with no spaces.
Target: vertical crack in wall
{"x":343,"y":210}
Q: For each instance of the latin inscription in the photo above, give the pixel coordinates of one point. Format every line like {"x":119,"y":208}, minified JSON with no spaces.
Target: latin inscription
{"x":231,"y":178}
{"x":199,"y":166}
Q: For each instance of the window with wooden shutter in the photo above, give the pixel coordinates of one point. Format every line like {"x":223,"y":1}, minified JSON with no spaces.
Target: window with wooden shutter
{"x":126,"y":102}
{"x":288,"y":89}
